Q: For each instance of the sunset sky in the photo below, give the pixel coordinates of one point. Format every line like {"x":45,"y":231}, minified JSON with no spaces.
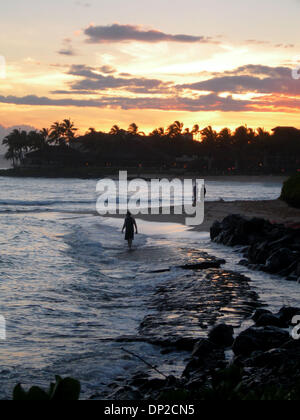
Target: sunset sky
{"x":216,"y":62}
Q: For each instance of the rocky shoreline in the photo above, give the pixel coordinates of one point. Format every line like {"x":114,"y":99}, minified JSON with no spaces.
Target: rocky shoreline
{"x":261,"y":363}
{"x":234,"y":348}
{"x":272,"y":248}
{"x":183,"y":310}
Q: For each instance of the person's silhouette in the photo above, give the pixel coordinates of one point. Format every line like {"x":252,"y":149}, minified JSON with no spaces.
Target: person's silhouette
{"x":195,"y":194}
{"x":129,"y":225}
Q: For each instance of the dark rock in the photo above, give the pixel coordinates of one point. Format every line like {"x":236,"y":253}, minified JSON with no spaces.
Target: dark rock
{"x":269,"y":320}
{"x":280,"y":243}
{"x":125,"y":393}
{"x":292,"y":345}
{"x":222,"y":335}
{"x":245,"y":345}
{"x":204,"y":365}
{"x":279,"y":260}
{"x":184,"y":343}
{"x":258,"y":253}
{"x":259,"y":313}
{"x":138,"y":382}
{"x":271,"y":248}
{"x":286,"y":315}
{"x":172,"y":380}
{"x":290,"y":270}
{"x":215,"y":230}
{"x":196,"y":382}
{"x":204,"y":265}
{"x":154,"y":384}
{"x":203,"y":348}
{"x":195,"y":364}
{"x":259,"y":338}
{"x":271,"y":358}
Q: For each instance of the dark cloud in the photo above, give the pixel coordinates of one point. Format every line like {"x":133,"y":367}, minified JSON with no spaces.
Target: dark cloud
{"x":211,"y":102}
{"x":92,"y":81}
{"x":259,"y":42}
{"x":72,"y":92}
{"x":258,"y":70}
{"x":121,"y":33}
{"x":201,"y":103}
{"x":107,"y":69}
{"x":276,"y":84}
{"x":66,"y":51}
{"x":268,"y":80}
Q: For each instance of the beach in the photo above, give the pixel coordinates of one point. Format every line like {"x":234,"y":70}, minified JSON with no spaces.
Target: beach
{"x":273,"y":210}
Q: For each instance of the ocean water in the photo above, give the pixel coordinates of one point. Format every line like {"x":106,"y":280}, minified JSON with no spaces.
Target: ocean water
{"x":70,"y":289}
{"x":29,"y":194}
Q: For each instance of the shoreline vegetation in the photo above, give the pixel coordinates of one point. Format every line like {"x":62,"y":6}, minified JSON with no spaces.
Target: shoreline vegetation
{"x":243,"y":151}
{"x":147,"y":174}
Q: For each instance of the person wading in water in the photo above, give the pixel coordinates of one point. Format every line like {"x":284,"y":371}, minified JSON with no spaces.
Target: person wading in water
{"x":129,"y":225}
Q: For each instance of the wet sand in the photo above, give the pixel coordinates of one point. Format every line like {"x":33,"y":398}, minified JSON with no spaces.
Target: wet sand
{"x":275,"y":211}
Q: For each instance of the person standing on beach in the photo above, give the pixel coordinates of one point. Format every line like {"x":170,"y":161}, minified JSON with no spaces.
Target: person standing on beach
{"x":195,"y":194}
{"x":129,"y":225}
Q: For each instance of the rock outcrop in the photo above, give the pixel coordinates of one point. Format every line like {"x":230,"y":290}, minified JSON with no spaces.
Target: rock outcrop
{"x":269,"y":247}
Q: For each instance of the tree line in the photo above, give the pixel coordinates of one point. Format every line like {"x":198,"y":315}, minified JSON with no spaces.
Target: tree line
{"x":207,"y":149}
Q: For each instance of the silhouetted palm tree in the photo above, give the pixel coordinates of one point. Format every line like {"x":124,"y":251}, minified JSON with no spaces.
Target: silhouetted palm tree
{"x":175,"y":129}
{"x":115,"y":130}
{"x":158,"y":132}
{"x":36,"y":140}
{"x":56,"y":133}
{"x":69,"y":130}
{"x":45,"y":132}
{"x":10,"y":155}
{"x":263,"y":135}
{"x":224,"y":138}
{"x":18,"y":144}
{"x":161,"y":131}
{"x":91,"y":131}
{"x":245,"y":149}
{"x":133,"y":129}
{"x":209,"y":136}
{"x":62,"y":133}
{"x":195,"y":130}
